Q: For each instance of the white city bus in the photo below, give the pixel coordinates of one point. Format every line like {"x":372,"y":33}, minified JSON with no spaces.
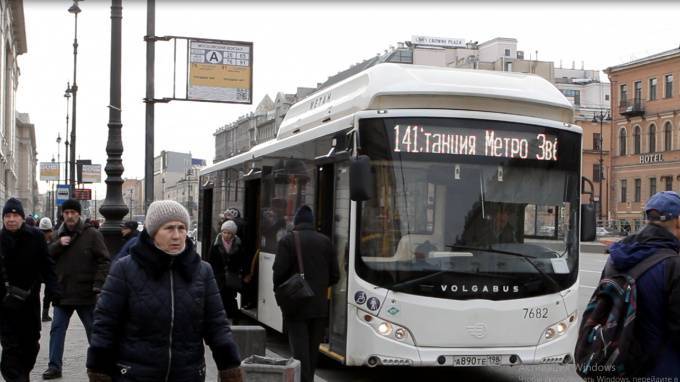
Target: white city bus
{"x":452,"y":199}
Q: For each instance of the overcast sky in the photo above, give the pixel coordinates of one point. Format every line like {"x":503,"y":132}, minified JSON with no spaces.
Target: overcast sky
{"x":295,"y":44}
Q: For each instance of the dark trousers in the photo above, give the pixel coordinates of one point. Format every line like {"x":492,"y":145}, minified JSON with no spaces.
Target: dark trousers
{"x":249,"y":294}
{"x":304,"y":338}
{"x":230,"y":304}
{"x":62,"y":316}
{"x":19,"y":337}
{"x":46,"y":300}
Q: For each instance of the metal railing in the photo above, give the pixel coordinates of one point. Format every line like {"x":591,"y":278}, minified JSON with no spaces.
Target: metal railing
{"x":631,"y":107}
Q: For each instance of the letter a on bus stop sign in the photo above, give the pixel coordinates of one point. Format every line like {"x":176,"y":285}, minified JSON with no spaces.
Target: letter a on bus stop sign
{"x":62,"y":193}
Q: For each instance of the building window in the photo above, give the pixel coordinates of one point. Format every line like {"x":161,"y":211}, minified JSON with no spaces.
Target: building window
{"x":636,"y":140}
{"x":622,"y":142}
{"x":669,"y":183}
{"x":596,"y":142}
{"x":606,"y":97}
{"x":667,"y":137}
{"x":597,"y":174}
{"x":624,"y":190}
{"x":624,"y":95}
{"x":652,"y":89}
{"x":652,"y":186}
{"x":652,"y":138}
{"x":638,"y":91}
{"x":638,"y":186}
{"x":668,"y":80}
{"x":507,"y":53}
{"x":574,"y":94}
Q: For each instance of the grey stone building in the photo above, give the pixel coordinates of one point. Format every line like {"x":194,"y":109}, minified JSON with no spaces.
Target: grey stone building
{"x":12,"y":44}
{"x":176,"y":178}
{"x":27,"y":162}
{"x":256,"y":127}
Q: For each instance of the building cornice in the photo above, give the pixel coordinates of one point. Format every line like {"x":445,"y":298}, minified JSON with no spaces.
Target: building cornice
{"x":667,"y":55}
{"x":18,"y":26}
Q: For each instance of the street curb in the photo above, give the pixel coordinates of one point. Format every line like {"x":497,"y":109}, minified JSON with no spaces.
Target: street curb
{"x":595,"y":247}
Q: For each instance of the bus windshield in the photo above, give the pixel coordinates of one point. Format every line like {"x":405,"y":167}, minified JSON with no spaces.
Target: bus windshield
{"x":468,"y":208}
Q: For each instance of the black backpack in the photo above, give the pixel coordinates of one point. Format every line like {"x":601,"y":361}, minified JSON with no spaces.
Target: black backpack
{"x":606,"y":346}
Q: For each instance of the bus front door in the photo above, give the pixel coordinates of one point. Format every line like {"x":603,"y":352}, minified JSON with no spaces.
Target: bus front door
{"x":251,"y":246}
{"x":332,"y":219}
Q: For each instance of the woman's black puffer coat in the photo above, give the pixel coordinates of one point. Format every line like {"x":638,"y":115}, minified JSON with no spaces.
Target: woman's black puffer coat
{"x":153,"y":314}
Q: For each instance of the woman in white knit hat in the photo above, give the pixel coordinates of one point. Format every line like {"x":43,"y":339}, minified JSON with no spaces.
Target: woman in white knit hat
{"x":157,"y":307}
{"x":228,"y":262}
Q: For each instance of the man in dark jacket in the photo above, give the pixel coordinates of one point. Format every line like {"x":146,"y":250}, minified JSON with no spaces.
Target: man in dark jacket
{"x":82,"y":263}
{"x":158,"y":306}
{"x":657,"y":324}
{"x":130,"y":234}
{"x":24,"y":264}
{"x":306,"y":323}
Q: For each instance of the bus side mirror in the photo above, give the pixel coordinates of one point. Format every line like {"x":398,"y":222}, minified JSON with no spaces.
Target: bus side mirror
{"x":360,"y":179}
{"x":588,"y":222}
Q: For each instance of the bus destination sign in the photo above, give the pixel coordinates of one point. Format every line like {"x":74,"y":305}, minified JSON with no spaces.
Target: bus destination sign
{"x":474,"y":142}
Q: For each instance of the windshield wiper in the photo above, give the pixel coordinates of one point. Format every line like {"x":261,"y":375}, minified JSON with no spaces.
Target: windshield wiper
{"x":426,"y":277}
{"x":528,"y":259}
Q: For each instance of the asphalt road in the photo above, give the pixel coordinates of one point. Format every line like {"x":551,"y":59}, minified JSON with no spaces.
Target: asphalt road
{"x":591,"y":266}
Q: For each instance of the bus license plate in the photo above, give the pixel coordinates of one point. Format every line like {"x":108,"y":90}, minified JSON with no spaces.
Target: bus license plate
{"x":476,"y":360}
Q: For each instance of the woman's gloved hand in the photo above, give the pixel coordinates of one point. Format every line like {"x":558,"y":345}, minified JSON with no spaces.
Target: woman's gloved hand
{"x":94,"y":376}
{"x":229,"y":375}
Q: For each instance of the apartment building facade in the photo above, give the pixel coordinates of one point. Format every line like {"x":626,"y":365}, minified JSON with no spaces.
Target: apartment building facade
{"x":646,"y":132}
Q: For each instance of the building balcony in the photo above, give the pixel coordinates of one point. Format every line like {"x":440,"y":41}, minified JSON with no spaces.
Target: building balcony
{"x":632,"y":107}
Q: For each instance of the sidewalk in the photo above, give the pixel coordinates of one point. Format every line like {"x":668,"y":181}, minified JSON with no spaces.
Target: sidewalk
{"x":75,"y":354}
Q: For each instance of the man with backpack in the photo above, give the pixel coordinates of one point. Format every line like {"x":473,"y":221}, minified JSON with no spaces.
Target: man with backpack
{"x":631,"y":326}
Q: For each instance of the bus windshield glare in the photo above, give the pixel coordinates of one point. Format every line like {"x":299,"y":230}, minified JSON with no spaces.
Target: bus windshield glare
{"x":467,"y":208}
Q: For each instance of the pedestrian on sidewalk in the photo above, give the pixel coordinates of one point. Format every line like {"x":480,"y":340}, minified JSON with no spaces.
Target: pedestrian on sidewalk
{"x":306,"y":323}
{"x":24,"y":264}
{"x":82,"y":264}
{"x":128,"y":230}
{"x":45,"y":227}
{"x":227,"y":261}
{"x":158,"y":306}
{"x":657,"y":325}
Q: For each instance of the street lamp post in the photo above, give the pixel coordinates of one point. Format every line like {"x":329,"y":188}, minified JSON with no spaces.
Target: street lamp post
{"x":58,"y":151}
{"x":58,"y":174}
{"x":114,"y":208}
{"x":74,"y":9}
{"x":53,"y":197}
{"x":67,"y":95}
{"x":600,"y":117}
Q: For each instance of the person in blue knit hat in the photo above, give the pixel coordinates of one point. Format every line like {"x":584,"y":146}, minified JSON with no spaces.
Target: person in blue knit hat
{"x":657,"y":325}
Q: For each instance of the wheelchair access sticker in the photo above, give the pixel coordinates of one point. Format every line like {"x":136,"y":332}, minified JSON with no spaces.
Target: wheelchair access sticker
{"x":360,"y":297}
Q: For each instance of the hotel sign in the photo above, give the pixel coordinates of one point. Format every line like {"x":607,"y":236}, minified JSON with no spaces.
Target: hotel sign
{"x":651,"y":158}
{"x":445,"y":42}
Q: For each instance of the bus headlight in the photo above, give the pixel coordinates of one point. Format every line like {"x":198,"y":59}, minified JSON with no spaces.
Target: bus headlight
{"x":558,"y":329}
{"x":385,"y":328}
